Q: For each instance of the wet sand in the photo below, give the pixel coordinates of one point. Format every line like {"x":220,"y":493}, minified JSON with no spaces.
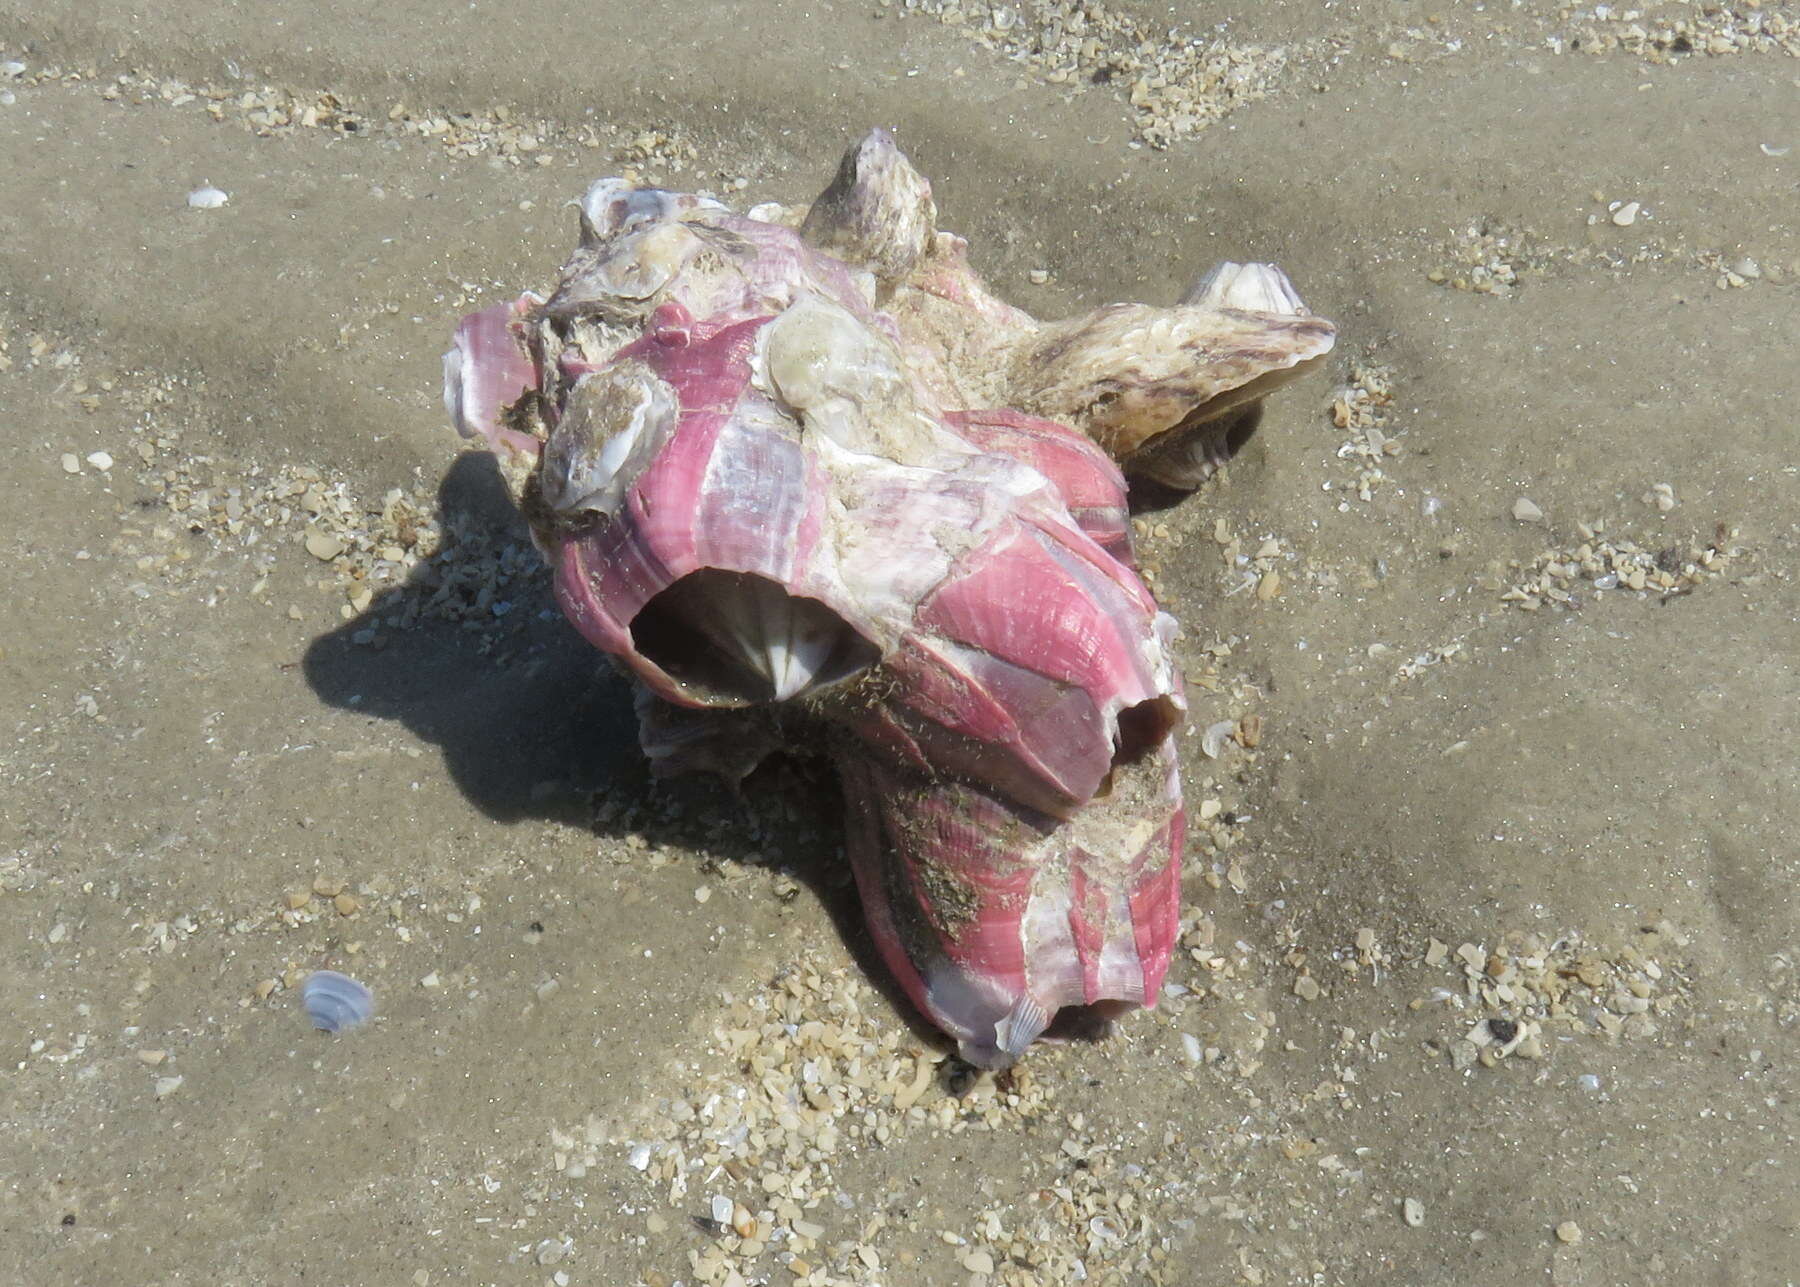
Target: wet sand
{"x":1489,"y":973}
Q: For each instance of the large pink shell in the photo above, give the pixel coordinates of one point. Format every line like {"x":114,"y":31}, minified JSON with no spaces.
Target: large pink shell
{"x":772,"y":502}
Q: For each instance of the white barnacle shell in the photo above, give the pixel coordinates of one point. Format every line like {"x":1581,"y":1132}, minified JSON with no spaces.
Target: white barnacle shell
{"x":877,"y":213}
{"x":612,"y":206}
{"x":615,"y":421}
{"x":336,"y":1002}
{"x":843,"y":379}
{"x":1258,"y":288}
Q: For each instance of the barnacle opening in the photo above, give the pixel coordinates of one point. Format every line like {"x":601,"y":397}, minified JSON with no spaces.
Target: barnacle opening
{"x":1141,"y":729}
{"x":734,"y":638}
{"x":1091,"y":1022}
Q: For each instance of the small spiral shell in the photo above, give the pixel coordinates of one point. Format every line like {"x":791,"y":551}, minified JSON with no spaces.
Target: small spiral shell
{"x":335,"y":1002}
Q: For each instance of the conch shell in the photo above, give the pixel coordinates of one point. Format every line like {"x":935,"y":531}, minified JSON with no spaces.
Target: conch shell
{"x":809,"y":482}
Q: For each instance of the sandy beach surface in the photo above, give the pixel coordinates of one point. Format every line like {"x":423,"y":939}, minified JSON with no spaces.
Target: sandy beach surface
{"x":1492,"y":639}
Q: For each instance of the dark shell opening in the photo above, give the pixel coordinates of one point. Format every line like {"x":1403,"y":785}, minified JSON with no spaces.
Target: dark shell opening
{"x":734,"y":639}
{"x":1174,"y":463}
{"x":1141,"y":729}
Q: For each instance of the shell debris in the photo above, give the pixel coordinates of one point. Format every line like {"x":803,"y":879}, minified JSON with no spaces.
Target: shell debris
{"x":1598,"y":560}
{"x":336,"y":1002}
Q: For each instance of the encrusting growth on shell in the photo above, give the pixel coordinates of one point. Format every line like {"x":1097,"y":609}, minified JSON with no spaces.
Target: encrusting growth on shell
{"x":805,"y":478}
{"x":877,"y":213}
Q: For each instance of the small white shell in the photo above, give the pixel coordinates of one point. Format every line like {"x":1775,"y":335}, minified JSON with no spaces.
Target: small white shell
{"x":1261,"y":288}
{"x":1212,"y":741}
{"x":335,"y":1002}
{"x":207,"y":198}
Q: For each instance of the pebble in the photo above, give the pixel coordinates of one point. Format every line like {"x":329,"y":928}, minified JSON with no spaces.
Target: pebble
{"x":1038,"y":276}
{"x":100,"y":460}
{"x":71,"y":463}
{"x":1413,"y":1212}
{"x":323,"y":546}
{"x":166,"y":1086}
{"x":978,"y":1262}
{"x":1627,"y":214}
{"x":12,"y":69}
{"x":1525,"y":510}
{"x":207,"y":198}
{"x":1568,"y":1232}
{"x":703,"y":893}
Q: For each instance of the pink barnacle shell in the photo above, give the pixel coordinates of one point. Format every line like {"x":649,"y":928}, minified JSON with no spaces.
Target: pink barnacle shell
{"x":993,"y":917}
{"x":1034,"y":667}
{"x":686,"y":518}
{"x":1083,"y":475}
{"x":485,"y":371}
